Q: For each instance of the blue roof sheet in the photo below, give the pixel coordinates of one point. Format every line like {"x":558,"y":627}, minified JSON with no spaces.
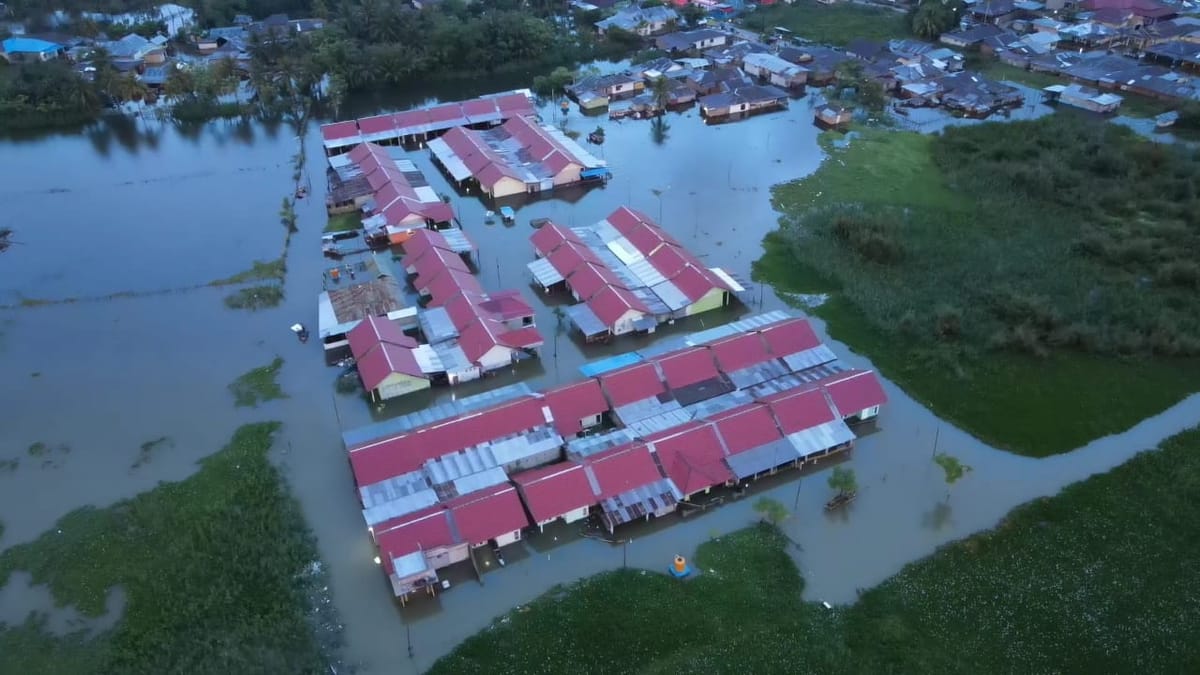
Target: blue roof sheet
{"x":611,"y":363}
{"x":29,"y":45}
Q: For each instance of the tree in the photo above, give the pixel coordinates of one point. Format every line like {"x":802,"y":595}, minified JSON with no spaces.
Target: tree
{"x":771,"y":510}
{"x":661,"y":89}
{"x":953,"y":469}
{"x":931,"y":18}
{"x":842,"y":479}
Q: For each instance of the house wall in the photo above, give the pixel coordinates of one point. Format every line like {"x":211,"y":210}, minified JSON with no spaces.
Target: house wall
{"x":498,"y":356}
{"x":624,"y":324}
{"x":589,"y":421}
{"x":569,"y":175}
{"x":509,"y":538}
{"x":507,"y":186}
{"x":576,"y":515}
{"x":533,"y":461}
{"x":399,"y":384}
{"x":463,"y":374}
{"x":446,"y":555}
{"x":714,"y":299}
{"x":156,"y":57}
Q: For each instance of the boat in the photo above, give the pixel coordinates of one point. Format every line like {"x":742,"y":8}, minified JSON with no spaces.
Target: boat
{"x":489,"y":217}
{"x":842,"y":499}
{"x":300,"y":331}
{"x":596,"y":137}
{"x":507,"y":214}
{"x":1166,"y":120}
{"x":539,"y":223}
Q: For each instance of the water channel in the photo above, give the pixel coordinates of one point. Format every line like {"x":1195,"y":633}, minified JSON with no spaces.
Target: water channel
{"x":132,"y":219}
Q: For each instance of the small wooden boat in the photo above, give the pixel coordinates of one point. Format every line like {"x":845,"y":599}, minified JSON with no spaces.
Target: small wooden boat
{"x":842,"y":499}
{"x":538,"y":223}
{"x":300,"y":331}
{"x":596,"y":138}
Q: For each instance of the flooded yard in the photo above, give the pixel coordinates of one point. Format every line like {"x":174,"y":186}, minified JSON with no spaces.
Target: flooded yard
{"x":157,"y":213}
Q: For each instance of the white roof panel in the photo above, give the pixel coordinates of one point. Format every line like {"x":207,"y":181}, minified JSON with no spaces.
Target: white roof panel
{"x":544,"y":272}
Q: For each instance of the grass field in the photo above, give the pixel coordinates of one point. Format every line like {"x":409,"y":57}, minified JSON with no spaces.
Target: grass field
{"x":343,"y":222}
{"x":830,"y":24}
{"x":217,"y":571}
{"x":258,"y":385}
{"x":986,"y":299}
{"x":1100,"y":578}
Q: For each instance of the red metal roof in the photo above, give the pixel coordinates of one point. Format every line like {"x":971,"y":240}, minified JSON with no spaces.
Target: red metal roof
{"x":800,"y":409}
{"x":687,"y":366}
{"x":451,"y":283}
{"x":374,"y":330}
{"x":746,"y":427}
{"x":589,"y":279}
{"x":479,"y":106}
{"x":625,"y":219}
{"x":551,"y":236}
{"x":411,"y":118}
{"x":692,"y":456}
{"x":480,"y":337}
{"x":739,"y":351}
{"x":507,"y":306}
{"x":522,"y":338}
{"x":788,"y":337}
{"x":633,"y":383}
{"x":646,"y":239}
{"x":622,"y":469}
{"x":383,"y":360}
{"x":424,"y":239}
{"x":418,"y":531}
{"x":510,"y":103}
{"x":363,"y":151}
{"x":568,"y":258}
{"x":572,"y":402}
{"x":445,"y":113}
{"x":339,"y":130}
{"x":611,"y":303}
{"x":853,"y":391}
{"x":436,"y":260}
{"x":555,"y":490}
{"x":487,"y":514}
{"x":377,"y":124}
{"x":401,"y":453}
{"x":695,"y":282}
{"x":669,"y":260}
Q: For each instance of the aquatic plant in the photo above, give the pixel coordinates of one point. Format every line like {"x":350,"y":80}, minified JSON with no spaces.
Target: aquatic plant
{"x":255,"y":297}
{"x":258,"y":385}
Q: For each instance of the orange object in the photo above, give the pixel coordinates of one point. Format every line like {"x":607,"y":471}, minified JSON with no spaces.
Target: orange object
{"x":335,"y":273}
{"x":680,"y":564}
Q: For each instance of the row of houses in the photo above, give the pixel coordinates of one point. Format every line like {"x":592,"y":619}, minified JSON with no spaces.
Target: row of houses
{"x":636,"y":437}
{"x":520,"y":156}
{"x":391,"y":194}
{"x":421,"y":124}
{"x":627,"y":274}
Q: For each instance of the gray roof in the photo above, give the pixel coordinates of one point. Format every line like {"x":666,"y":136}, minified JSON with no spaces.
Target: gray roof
{"x":434,"y":413}
{"x":763,"y":458}
{"x":436,"y":325}
{"x":661,"y":495}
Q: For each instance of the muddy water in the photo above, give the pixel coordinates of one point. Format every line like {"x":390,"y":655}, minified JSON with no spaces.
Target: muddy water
{"x":147,"y":209}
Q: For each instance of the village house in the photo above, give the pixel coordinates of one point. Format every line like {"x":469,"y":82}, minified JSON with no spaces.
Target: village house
{"x":735,"y":54}
{"x":596,"y":91}
{"x":833,"y":116}
{"x":640,"y":21}
{"x":977,"y":96}
{"x":743,"y":100}
{"x":134,"y":51}
{"x":558,"y":491}
{"x":970,"y":38}
{"x":27,"y":49}
{"x":385,"y":358}
{"x":775,"y":70}
{"x":692,"y":41}
{"x":1083,"y":97}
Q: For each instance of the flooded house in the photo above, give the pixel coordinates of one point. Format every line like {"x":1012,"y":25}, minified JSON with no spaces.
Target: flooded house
{"x":970,"y":38}
{"x":734,"y":54}
{"x":420,"y":124}
{"x":834,"y":116}
{"x":719,"y":407}
{"x":388,"y":361}
{"x":977,"y":96}
{"x":742,"y":101}
{"x":774,"y":70}
{"x":1086,"y":98}
{"x":520,"y":156}
{"x":822,"y":62}
{"x":627,"y":274}
{"x":355,"y":290}
{"x":597,"y":91}
{"x":694,"y":41}
{"x":643,"y":21}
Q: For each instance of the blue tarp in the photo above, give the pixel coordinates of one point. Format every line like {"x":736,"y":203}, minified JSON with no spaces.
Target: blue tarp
{"x":19,"y":45}
{"x":611,"y":363}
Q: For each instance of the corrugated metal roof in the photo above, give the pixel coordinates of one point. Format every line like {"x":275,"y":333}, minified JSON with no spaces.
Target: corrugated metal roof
{"x":687,"y":367}
{"x":666,"y":418}
{"x":582,"y":316}
{"x":625,"y":251}
{"x":611,"y":363}
{"x":591,"y":445}
{"x":634,"y":504}
{"x":555,"y":490}
{"x":633,"y":383}
{"x":671,"y":296}
{"x":762,"y":458}
{"x":544,"y":273}
{"x":478,"y":481}
{"x":743,"y":325}
{"x":757,"y":374}
{"x":810,"y":358}
{"x":396,"y":497}
{"x":821,"y":438}
{"x":436,"y":325}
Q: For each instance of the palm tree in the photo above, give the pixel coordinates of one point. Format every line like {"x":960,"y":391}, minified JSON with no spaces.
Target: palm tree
{"x":661,"y":88}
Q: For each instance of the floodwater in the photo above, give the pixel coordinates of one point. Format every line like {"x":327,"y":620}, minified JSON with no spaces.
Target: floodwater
{"x":143,"y":207}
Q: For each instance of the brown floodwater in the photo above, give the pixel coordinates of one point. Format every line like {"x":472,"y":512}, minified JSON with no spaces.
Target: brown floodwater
{"x":151,"y":213}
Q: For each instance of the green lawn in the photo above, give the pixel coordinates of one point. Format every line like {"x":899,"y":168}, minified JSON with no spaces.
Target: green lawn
{"x":987,"y":300}
{"x":217,"y":571}
{"x":344,"y":222}
{"x":830,"y":24}
{"x":1100,"y":578}
{"x":258,"y":385}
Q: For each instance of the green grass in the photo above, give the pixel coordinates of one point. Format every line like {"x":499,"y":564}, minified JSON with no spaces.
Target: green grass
{"x":344,"y":222}
{"x":1100,"y":578}
{"x":216,"y":570}
{"x":1002,"y":71}
{"x":255,"y":297}
{"x":975,"y":297}
{"x":256,"y":386}
{"x":272,"y":270}
{"x":830,"y":24}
